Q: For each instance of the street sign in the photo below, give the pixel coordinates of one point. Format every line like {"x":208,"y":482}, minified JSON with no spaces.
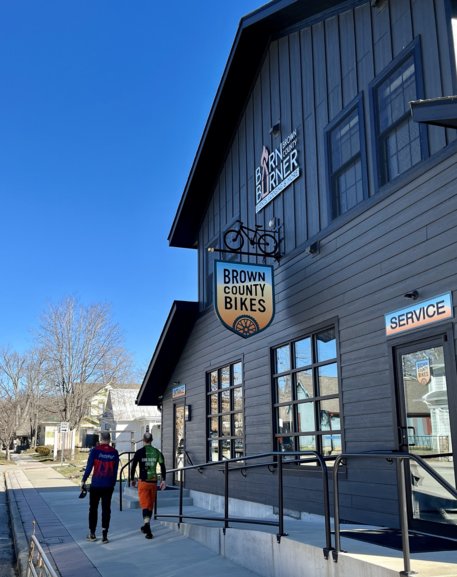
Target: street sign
{"x":64,"y":427}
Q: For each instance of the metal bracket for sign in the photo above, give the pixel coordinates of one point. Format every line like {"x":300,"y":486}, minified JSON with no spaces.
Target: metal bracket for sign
{"x":267,"y":242}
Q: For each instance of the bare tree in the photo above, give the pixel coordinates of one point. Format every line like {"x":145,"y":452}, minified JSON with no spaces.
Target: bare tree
{"x":12,"y":366}
{"x":83,"y":352}
{"x":38,"y":397}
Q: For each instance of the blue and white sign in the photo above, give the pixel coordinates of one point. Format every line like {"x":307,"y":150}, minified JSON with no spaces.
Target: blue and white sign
{"x":419,"y":315}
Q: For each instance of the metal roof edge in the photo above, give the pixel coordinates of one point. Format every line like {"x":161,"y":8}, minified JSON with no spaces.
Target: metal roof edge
{"x":175,"y":332}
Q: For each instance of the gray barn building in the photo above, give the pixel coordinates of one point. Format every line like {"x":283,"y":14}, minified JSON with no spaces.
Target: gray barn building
{"x":330,"y":151}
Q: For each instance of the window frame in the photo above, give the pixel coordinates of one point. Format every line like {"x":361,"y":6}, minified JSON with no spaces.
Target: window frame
{"x":333,"y":199}
{"x":220,"y":437}
{"x":413,"y":50}
{"x":293,"y":370}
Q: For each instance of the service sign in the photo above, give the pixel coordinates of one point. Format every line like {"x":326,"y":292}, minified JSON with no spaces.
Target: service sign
{"x":244,"y":296}
{"x":178,"y":391}
{"x":419,"y":315}
{"x":277,"y":170}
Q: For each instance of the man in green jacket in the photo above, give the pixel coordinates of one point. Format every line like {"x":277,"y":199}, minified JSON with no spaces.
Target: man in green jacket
{"x":148,"y":457}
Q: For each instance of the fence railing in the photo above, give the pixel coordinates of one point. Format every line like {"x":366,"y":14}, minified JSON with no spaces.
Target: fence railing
{"x":399,"y":459}
{"x":38,"y":565}
{"x":275,"y":463}
{"x":241,"y":465}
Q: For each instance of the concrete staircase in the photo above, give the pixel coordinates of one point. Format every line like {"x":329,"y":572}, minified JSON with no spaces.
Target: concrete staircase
{"x":165,"y":499}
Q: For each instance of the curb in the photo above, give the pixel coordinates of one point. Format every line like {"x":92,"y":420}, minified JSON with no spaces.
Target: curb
{"x":21,"y":544}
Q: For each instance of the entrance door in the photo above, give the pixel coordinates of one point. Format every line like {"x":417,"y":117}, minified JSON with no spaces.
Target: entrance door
{"x":179,"y":441}
{"x":426,"y":390}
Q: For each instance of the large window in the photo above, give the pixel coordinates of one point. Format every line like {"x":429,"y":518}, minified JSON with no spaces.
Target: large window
{"x":225,"y":412}
{"x":346,"y":159}
{"x":307,"y":404}
{"x":401,"y":141}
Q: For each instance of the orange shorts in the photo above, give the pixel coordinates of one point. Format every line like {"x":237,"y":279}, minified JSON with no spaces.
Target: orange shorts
{"x":147,"y":492}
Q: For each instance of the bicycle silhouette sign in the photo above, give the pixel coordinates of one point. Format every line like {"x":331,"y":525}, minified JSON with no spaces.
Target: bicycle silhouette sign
{"x":266,"y":243}
{"x":244,"y":297}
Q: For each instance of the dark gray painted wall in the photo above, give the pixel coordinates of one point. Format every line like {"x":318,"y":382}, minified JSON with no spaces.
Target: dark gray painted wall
{"x":404,"y":237}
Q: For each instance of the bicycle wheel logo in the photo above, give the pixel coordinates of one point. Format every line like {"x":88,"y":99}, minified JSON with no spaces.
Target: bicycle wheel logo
{"x":246,"y":326}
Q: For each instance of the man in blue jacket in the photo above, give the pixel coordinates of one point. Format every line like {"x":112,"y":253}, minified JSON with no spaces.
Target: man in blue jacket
{"x":104,"y":461}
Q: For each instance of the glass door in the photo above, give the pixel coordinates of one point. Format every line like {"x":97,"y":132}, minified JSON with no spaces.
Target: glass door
{"x":426,"y":428}
{"x":179,"y":442}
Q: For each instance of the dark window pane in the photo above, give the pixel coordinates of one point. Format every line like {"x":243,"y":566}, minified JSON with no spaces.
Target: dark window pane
{"x":331,"y":444}
{"x":239,"y":448}
{"x":238,"y":399}
{"x":282,"y":359}
{"x":238,"y":424}
{"x":345,"y":141}
{"x":306,"y":443}
{"x":285,"y":419}
{"x":284,"y":389}
{"x":237,"y":374}
{"x":226,"y":449}
{"x":214,"y":381}
{"x":330,"y":415}
{"x":214,"y":450}
{"x":213,"y":404}
{"x":326,"y":345}
{"x":286,"y":443}
{"x":328,"y":380}
{"x":305,"y":416}
{"x":304,"y":385}
{"x":225,"y":399}
{"x":225,"y":424}
{"x":225,"y":377}
{"x":349,"y":186}
{"x":214,"y":427}
{"x":302,"y":350}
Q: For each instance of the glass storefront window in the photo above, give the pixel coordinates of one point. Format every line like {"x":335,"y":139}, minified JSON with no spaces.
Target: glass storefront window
{"x":307,"y":398}
{"x":225,"y":422}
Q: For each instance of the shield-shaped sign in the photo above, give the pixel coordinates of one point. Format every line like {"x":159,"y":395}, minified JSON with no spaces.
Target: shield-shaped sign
{"x":423,"y":373}
{"x":244,"y":296}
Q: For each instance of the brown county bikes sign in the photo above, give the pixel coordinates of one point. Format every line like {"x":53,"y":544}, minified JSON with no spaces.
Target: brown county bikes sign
{"x":244,"y":296}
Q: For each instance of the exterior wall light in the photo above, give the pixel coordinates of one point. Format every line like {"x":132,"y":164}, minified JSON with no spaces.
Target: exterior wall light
{"x":413,"y":295}
{"x":313,"y":248}
{"x":275,"y":130}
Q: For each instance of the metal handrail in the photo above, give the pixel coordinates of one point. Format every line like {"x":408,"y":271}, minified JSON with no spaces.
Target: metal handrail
{"x":400,"y":458}
{"x":278,"y":462}
{"x":38,"y":559}
{"x":121,"y":470}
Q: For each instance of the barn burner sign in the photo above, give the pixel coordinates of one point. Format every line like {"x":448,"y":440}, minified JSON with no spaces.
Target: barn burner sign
{"x":244,"y":296}
{"x":277,"y":170}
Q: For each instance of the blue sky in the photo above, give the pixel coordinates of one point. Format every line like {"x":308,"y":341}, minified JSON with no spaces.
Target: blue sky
{"x":102,"y":107}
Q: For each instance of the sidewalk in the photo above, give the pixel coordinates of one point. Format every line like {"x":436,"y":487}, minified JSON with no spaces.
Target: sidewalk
{"x":37,"y":492}
{"x":42,"y":494}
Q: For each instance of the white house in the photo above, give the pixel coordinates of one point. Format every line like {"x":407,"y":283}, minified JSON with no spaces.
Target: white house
{"x":127,"y":421}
